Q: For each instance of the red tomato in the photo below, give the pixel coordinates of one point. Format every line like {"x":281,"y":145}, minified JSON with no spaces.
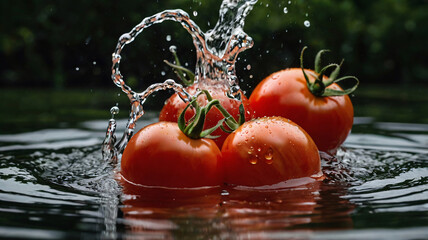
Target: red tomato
{"x":267,"y":151}
{"x":161,"y":155}
{"x":328,"y":120}
{"x":174,"y":106}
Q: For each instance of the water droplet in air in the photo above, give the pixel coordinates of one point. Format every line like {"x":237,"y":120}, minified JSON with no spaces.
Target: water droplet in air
{"x":248,"y":67}
{"x":195,"y":13}
{"x":307,"y":23}
{"x":251,"y":76}
{"x":77,"y":69}
{"x":289,"y":2}
{"x":168,"y":38}
{"x":173,"y":49}
{"x":163,"y":73}
{"x":114,"y":110}
{"x":285,"y":10}
{"x":234,"y":89}
{"x":94,"y":63}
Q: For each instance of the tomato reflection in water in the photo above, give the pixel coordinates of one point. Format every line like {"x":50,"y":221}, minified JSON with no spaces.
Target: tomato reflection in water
{"x":160,"y":213}
{"x":233,"y":211}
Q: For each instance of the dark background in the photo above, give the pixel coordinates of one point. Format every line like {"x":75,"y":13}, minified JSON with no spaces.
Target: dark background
{"x":56,"y":55}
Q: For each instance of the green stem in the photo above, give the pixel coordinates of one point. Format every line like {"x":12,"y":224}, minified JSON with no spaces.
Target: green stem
{"x":194,"y":128}
{"x":229,"y":120}
{"x":319,"y":86}
{"x":185,"y":75}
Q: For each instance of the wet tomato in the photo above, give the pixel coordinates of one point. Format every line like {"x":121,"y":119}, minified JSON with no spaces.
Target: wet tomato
{"x":328,"y":120}
{"x":311,"y":100}
{"x":174,"y":107}
{"x":161,"y":155}
{"x":269,"y":151}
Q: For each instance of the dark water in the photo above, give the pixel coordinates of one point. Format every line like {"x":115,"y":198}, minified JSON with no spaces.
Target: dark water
{"x":54,"y":185}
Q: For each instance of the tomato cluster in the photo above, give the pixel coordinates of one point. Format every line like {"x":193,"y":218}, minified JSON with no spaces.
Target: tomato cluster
{"x":298,"y":112}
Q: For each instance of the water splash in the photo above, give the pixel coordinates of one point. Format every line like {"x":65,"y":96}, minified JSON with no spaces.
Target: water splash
{"x":110,"y":148}
{"x":216,"y":54}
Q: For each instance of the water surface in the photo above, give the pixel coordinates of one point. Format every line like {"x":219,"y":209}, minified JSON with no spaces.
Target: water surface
{"x":55,"y":185}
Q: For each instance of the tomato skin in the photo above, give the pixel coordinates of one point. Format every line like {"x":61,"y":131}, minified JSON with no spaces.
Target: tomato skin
{"x":174,"y":107}
{"x":328,"y":120}
{"x":268,"y":151}
{"x":161,"y":155}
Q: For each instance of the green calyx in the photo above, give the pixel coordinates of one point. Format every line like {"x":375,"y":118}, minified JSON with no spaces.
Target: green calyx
{"x":185,"y":75}
{"x":319,"y":86}
{"x":194,"y":128}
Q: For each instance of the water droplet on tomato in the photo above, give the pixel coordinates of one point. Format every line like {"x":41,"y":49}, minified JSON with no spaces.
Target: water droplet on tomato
{"x":253,"y":161}
{"x":259,"y":149}
{"x":275,"y":76}
{"x":269,"y":156}
{"x":251,"y":150}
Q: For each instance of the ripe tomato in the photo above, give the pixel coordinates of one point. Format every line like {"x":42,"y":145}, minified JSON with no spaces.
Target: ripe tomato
{"x":162,"y":155}
{"x":328,"y":120}
{"x":268,"y":151}
{"x":174,"y":107}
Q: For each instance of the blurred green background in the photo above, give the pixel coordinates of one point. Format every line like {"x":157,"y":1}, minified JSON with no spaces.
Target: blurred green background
{"x":56,"y":55}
